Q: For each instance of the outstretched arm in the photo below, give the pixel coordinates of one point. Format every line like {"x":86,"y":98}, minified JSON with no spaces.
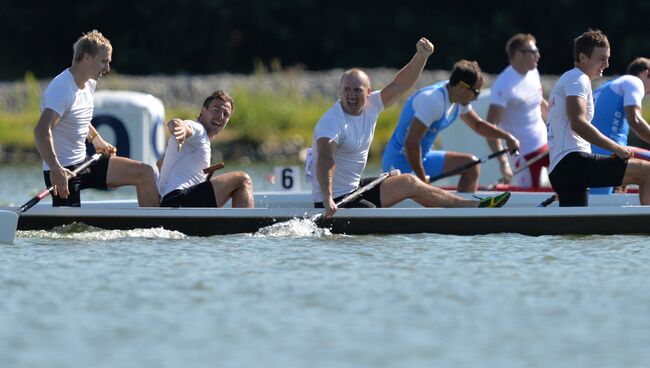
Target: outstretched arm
{"x":179,"y":130}
{"x":406,"y":78}
{"x":494,"y":115}
{"x":325,"y":167}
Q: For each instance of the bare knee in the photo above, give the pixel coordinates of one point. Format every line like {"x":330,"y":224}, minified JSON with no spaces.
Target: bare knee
{"x":410,"y":181}
{"x":473,"y":172}
{"x":245,"y":180}
{"x":233,"y":181}
{"x":145,"y":174}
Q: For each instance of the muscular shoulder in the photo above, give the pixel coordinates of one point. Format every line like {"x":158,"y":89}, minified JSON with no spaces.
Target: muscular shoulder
{"x":629,"y":84}
{"x":62,"y":83}
{"x":506,"y":79}
{"x":197,"y":128}
{"x":433,"y":98}
{"x":501,"y":90}
{"x":331,"y":124}
{"x":376,"y":105}
{"x":59,"y":95}
{"x":576,"y":83}
{"x":429,"y":105}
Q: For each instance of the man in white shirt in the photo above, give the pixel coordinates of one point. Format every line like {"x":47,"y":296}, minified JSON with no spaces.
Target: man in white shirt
{"x":342,"y":140}
{"x":182,"y":181}
{"x":66,"y":111}
{"x":573,"y":167}
{"x":518,"y":106}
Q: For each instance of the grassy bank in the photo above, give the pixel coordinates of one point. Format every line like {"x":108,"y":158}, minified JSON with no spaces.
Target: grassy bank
{"x":267,"y":116}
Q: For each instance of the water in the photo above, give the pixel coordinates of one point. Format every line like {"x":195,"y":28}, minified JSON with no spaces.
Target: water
{"x":82,"y":296}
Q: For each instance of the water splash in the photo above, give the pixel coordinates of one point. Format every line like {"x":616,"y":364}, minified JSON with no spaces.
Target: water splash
{"x":81,"y":231}
{"x":296,"y":227}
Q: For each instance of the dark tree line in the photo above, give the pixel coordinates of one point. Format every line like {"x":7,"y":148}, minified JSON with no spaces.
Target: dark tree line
{"x":210,"y":36}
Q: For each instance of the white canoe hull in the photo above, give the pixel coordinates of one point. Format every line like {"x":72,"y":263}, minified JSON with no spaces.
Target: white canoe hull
{"x":614,"y":214}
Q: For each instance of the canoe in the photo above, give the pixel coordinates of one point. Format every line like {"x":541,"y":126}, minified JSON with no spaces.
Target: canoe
{"x":614,"y":214}
{"x":302,"y":199}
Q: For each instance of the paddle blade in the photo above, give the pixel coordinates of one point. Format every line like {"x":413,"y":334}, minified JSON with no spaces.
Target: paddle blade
{"x":8,"y":226}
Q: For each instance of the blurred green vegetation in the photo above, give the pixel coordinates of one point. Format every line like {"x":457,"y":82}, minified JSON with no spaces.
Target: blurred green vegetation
{"x":262,"y":116}
{"x":16,"y":126}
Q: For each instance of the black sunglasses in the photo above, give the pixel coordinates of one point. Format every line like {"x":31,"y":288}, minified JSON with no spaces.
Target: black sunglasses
{"x":474,"y":90}
{"x":532,"y":51}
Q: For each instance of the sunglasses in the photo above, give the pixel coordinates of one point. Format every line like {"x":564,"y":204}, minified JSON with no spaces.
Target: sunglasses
{"x":475,"y":91}
{"x":532,"y":51}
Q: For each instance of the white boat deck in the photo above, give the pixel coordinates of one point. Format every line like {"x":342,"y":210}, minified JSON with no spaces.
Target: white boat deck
{"x":302,"y":199}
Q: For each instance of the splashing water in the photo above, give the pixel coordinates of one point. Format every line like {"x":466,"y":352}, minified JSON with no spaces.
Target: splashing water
{"x":295,"y":227}
{"x":81,"y":231}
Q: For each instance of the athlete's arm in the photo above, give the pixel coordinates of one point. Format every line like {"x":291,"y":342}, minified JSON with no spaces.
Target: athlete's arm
{"x":544,"y":107}
{"x":494,"y":116}
{"x":406,"y":78}
{"x":45,"y":146}
{"x":576,"y":109}
{"x":101,"y":146}
{"x":413,"y":148}
{"x":489,"y":130}
{"x":325,"y":166}
{"x":637,"y":122}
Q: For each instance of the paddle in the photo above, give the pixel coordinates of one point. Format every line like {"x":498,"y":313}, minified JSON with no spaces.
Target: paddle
{"x":9,"y":219}
{"x":548,"y":201}
{"x":211,"y":169}
{"x":354,"y":195}
{"x":466,"y":166}
{"x":522,"y":168}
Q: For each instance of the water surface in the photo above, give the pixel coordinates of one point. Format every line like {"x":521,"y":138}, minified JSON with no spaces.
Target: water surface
{"x":80,"y":296}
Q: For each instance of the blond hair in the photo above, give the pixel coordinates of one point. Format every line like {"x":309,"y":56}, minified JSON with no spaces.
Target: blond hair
{"x":516,"y":42}
{"x":90,"y":43}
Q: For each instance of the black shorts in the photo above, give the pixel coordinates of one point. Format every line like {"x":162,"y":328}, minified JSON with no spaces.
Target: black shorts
{"x":578,"y":171}
{"x":369,"y":199}
{"x":94,"y":176}
{"x":200,"y":195}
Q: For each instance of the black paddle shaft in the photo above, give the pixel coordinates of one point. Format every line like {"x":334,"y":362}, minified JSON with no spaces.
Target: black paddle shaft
{"x":466,"y":166}
{"x":32,"y":202}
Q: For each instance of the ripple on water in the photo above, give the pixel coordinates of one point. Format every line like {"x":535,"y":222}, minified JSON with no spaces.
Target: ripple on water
{"x":296,"y":227}
{"x":81,"y":231}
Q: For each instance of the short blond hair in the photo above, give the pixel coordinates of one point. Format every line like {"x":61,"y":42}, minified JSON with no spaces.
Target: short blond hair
{"x":90,"y":43}
{"x":357,"y":72}
{"x":518,"y":41}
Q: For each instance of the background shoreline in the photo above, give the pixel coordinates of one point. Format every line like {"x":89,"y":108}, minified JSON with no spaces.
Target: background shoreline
{"x":276,"y":109}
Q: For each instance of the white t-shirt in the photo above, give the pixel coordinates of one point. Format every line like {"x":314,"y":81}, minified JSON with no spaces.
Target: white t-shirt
{"x":353,"y":136}
{"x":75,"y":107}
{"x":562,"y":140}
{"x":183,"y":169}
{"x":521,"y":96}
{"x":430,"y":105}
{"x":630,"y":87}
